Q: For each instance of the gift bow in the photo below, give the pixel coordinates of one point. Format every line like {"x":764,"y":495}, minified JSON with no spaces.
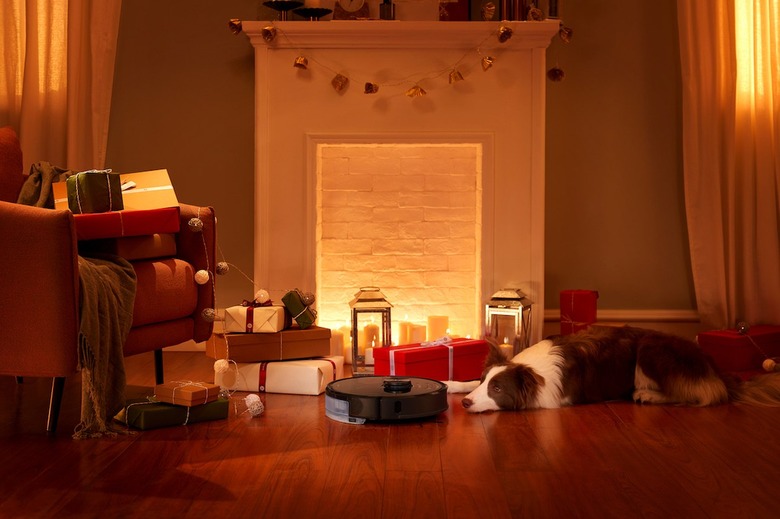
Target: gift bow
{"x":255,"y":304}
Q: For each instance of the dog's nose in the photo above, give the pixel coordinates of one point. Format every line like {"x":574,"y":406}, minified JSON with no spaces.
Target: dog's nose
{"x":467,"y":403}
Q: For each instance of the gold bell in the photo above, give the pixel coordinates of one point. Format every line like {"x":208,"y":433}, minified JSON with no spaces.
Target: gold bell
{"x":340,"y":82}
{"x":268,"y":33}
{"x":301,"y":63}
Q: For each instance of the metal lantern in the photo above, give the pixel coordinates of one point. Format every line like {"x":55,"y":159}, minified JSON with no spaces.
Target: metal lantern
{"x":370,"y":328}
{"x":508,"y":318}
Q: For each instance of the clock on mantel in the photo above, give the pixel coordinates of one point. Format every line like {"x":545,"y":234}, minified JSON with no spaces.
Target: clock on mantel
{"x":350,"y":10}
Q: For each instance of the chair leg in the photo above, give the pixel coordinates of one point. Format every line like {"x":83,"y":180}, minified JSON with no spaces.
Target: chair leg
{"x":55,"y":402}
{"x":158,"y":367}
{"x":19,"y":380}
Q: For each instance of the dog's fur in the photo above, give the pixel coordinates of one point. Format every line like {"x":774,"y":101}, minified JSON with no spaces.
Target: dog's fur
{"x":610,"y":363}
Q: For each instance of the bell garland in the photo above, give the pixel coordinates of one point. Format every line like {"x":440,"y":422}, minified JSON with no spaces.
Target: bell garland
{"x":340,"y":82}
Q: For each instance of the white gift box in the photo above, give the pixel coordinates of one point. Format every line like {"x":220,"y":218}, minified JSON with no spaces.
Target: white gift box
{"x":258,"y":319}
{"x":297,"y":377}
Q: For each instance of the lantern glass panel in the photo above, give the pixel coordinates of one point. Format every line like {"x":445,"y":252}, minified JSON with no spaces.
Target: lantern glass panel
{"x":370,"y":328}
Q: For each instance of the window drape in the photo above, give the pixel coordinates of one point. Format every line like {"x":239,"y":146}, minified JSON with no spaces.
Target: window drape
{"x":57,"y":77}
{"x":729,"y":53}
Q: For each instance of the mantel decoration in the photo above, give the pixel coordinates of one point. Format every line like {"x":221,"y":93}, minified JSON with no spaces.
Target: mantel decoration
{"x":412,"y":87}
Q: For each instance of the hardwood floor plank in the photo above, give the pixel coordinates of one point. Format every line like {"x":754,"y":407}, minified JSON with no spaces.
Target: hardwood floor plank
{"x":413,"y":495}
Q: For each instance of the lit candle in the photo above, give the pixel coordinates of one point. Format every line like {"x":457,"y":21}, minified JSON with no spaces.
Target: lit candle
{"x":348,"y":353}
{"x":437,"y":326}
{"x":416,"y":333}
{"x":370,"y":354}
{"x":506,"y":348}
{"x":404,"y":329}
{"x":336,"y":343}
{"x":370,"y":335}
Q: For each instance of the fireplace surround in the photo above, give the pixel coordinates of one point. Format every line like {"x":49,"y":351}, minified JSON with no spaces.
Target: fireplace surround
{"x":347,"y":183}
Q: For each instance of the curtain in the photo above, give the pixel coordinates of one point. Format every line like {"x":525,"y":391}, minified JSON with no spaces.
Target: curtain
{"x":57,"y":77}
{"x":729,"y":53}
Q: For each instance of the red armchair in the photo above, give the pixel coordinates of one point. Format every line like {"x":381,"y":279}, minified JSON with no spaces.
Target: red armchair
{"x":39,"y":286}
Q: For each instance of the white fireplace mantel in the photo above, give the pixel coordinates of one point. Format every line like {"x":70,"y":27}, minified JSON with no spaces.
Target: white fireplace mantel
{"x":502,"y":108}
{"x":383,"y":34}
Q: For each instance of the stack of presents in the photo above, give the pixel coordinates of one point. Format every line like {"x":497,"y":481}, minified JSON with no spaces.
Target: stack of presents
{"x":742,"y":351}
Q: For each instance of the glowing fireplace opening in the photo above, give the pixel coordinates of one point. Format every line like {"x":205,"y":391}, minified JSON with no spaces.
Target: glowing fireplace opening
{"x":405,"y":217}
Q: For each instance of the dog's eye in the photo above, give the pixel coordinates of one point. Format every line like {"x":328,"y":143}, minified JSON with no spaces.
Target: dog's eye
{"x":496,"y":388}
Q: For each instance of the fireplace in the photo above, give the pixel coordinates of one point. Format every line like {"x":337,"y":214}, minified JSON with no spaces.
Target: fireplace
{"x":437,"y":199}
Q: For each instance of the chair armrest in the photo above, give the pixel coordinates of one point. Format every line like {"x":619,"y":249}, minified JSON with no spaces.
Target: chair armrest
{"x":199,"y":250}
{"x":39,"y":291}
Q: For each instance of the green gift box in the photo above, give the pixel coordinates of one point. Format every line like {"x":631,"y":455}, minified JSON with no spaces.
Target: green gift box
{"x":146,"y":414}
{"x":303,"y":315}
{"x":94,"y":191}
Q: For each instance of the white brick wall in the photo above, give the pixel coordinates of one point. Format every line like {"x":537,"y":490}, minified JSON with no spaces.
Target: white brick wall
{"x":405,"y":218}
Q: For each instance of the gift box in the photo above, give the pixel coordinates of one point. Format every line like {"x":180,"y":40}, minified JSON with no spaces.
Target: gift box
{"x":578,"y":309}
{"x":146,"y":414}
{"x":94,"y":191}
{"x":299,"y":310}
{"x":297,"y":377}
{"x":736,"y":352}
{"x":150,"y":207}
{"x":186,"y":393}
{"x":132,"y":248}
{"x":458,"y":359}
{"x":293,"y":343}
{"x":257,"y":319}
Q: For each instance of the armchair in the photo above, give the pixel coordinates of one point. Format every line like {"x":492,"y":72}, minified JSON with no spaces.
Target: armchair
{"x":39,"y":270}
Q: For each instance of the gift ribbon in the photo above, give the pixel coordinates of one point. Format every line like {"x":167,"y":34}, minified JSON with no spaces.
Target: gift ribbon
{"x":305,"y":307}
{"x":127,"y":411}
{"x":250,"y":312}
{"x":443,"y":341}
{"x":108,"y":185}
{"x":186,"y":383}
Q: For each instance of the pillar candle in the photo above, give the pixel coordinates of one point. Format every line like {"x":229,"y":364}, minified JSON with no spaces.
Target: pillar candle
{"x":507,"y":349}
{"x":416,"y":333}
{"x":371,"y":336}
{"x":369,"y":356}
{"x":336,"y":343}
{"x":437,"y":326}
{"x":404,"y":331}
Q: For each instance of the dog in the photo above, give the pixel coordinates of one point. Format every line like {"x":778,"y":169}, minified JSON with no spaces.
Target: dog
{"x":605,"y":363}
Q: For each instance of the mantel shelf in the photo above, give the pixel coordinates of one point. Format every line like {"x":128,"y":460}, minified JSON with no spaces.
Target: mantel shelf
{"x":385,"y":34}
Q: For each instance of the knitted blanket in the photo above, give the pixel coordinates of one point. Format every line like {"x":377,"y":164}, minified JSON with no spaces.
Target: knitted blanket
{"x":107,"y":289}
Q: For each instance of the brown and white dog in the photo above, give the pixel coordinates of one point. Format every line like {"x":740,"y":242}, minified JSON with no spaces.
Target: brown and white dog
{"x":610,"y":363}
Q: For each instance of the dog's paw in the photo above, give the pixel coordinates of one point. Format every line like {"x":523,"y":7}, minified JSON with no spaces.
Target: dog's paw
{"x":648,"y":396}
{"x":455,"y":386}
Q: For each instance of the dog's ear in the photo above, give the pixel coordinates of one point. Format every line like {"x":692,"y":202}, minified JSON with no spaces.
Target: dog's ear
{"x":527,"y":381}
{"x":495,"y":355}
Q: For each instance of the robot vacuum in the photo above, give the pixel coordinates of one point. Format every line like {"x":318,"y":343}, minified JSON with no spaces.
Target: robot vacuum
{"x":376,"y":398}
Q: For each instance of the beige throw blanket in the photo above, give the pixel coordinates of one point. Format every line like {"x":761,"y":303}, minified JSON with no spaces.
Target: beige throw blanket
{"x":107,"y":294}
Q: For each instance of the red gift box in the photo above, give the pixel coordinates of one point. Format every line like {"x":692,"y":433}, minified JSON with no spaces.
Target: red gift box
{"x":460,"y":359}
{"x":737,"y":352}
{"x":116,"y":224}
{"x":578,"y":310}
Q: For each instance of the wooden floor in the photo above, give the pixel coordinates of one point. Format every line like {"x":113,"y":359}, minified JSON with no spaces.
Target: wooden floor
{"x":610,"y":460}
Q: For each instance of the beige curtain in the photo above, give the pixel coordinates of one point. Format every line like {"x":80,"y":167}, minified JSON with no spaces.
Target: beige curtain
{"x":730,"y":52}
{"x":57,"y":76}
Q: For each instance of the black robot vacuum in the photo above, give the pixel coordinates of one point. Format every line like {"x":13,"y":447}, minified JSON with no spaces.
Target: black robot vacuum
{"x":376,"y":398}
